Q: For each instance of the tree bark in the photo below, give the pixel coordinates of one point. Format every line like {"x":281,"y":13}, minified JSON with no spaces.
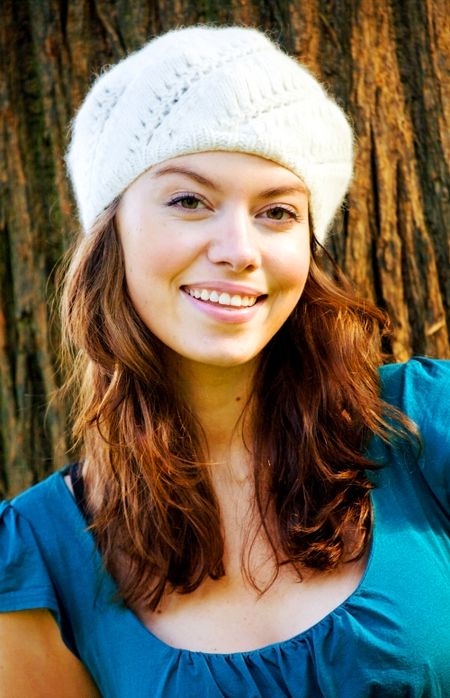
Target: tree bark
{"x":388,"y":64}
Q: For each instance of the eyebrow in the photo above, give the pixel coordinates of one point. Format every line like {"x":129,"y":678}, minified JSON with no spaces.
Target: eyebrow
{"x":299,"y":188}
{"x":172,"y":169}
{"x":277,"y":191}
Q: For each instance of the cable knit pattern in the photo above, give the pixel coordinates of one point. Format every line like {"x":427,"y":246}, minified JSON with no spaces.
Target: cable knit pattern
{"x":208,"y":88}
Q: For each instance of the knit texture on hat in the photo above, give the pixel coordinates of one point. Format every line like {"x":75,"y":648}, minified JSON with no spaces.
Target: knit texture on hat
{"x":208,"y":88}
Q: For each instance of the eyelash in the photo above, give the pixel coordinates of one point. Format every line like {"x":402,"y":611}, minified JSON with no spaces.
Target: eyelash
{"x":181,"y":197}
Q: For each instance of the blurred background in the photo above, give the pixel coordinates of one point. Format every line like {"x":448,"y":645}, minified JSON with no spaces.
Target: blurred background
{"x":388,"y":63}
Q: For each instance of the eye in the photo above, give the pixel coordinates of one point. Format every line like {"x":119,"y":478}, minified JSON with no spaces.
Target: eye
{"x":189,"y":202}
{"x":281,"y":213}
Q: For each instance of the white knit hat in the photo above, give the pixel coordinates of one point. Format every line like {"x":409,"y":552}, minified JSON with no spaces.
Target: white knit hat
{"x":209,"y":88}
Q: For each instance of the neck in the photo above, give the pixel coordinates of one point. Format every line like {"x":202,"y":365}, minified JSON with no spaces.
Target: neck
{"x":218,"y":397}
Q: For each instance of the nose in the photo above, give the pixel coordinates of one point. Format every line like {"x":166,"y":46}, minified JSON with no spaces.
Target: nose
{"x":235,"y":242}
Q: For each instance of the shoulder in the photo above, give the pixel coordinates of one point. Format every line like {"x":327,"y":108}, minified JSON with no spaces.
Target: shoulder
{"x":420,"y":388}
{"x":40,"y":498}
{"x":27,"y":532}
{"x":419,"y":379}
{"x":49,"y":509}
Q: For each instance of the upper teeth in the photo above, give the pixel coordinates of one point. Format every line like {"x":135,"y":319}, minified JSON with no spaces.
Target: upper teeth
{"x":222,"y":298}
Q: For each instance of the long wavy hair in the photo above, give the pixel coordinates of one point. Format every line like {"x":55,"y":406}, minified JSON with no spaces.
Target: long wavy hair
{"x":315,"y":406}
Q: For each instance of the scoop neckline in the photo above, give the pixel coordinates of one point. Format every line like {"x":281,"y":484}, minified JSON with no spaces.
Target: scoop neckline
{"x":258,"y":651}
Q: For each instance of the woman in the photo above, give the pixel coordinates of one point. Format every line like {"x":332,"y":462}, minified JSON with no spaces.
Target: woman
{"x":258,"y":511}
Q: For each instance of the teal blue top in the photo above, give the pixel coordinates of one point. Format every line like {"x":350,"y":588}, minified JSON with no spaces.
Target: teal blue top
{"x":390,"y":638}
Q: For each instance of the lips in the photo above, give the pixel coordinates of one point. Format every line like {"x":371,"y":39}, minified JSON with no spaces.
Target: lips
{"x":232,"y":298}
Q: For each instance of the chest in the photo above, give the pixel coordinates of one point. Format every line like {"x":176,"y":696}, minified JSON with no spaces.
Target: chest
{"x":389,"y":638}
{"x":229,"y":615}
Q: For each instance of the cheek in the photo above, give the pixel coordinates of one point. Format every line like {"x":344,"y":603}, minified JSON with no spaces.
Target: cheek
{"x":145,"y":263}
{"x":291,"y":267}
{"x":161,"y":252}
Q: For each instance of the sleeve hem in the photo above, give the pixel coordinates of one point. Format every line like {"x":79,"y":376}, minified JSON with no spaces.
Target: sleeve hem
{"x":18,"y":601}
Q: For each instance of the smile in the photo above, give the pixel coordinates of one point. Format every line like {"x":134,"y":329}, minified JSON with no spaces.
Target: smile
{"x":234,"y":300}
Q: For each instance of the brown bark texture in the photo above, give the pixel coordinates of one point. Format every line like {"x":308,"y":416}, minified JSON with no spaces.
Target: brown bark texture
{"x":386,"y":61}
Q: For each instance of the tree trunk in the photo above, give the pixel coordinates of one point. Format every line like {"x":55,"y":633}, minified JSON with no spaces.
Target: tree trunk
{"x":388,"y":64}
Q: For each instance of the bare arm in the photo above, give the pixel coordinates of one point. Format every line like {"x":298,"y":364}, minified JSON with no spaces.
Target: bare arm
{"x":35,"y":662}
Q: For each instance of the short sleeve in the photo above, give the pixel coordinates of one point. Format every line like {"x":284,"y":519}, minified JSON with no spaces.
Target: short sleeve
{"x":420,"y":388}
{"x":24,"y":580}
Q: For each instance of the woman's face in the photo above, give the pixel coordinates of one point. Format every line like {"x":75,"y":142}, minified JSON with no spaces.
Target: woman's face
{"x":216,"y":249}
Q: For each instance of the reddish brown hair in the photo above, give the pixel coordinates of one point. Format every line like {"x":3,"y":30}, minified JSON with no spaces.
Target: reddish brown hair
{"x":317,"y":405}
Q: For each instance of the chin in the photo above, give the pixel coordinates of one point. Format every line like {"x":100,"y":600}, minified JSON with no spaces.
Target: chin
{"x":223,"y":360}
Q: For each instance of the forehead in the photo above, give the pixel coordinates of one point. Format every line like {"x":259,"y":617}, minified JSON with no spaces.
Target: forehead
{"x":221,"y":168}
